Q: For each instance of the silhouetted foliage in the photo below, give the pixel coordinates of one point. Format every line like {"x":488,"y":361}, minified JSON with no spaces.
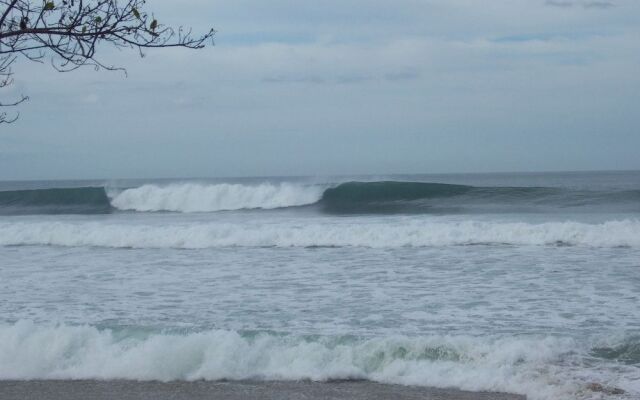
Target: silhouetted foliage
{"x":69,"y":32}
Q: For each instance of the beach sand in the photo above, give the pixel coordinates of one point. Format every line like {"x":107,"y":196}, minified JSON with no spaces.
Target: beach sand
{"x":236,"y":390}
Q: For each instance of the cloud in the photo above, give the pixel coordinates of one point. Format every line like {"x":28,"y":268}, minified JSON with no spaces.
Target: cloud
{"x":342,"y":87}
{"x":294,"y":79}
{"x":407,"y":75}
{"x":598,"y":4}
{"x":560,"y":3}
{"x":583,"y":3}
{"x":91,"y":98}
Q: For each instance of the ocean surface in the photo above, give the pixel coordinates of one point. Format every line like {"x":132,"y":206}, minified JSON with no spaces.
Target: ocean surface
{"x":524,"y":283}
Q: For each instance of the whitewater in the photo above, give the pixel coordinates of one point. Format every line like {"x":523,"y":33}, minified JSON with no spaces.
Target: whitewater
{"x":330,"y":232}
{"x":523,"y":283}
{"x":190,"y":197}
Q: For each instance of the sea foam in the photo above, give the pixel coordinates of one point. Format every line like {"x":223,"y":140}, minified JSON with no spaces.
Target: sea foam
{"x":525,"y":365}
{"x":334,"y":232}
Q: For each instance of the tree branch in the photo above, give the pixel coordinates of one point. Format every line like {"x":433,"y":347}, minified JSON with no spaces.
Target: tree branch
{"x":71,"y":31}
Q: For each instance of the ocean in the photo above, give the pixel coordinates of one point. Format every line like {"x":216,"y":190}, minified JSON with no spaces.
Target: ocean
{"x":523,"y":283}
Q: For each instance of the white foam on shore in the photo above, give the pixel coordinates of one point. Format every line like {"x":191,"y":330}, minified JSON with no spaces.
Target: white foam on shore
{"x":194,"y":197}
{"x":338,"y":233}
{"x":526,"y":365}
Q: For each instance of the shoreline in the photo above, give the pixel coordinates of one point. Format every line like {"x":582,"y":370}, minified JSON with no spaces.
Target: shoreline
{"x":232,"y":390}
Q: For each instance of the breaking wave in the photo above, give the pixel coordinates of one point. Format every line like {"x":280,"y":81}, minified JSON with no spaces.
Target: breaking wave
{"x":543,"y":368}
{"x":334,"y":232}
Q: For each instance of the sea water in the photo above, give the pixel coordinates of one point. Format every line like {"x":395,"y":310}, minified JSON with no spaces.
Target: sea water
{"x":525,"y":283}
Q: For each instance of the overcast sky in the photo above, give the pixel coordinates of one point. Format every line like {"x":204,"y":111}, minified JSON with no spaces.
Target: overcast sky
{"x":346,"y":87}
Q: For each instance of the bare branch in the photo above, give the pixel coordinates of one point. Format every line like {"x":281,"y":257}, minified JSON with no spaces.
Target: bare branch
{"x":71,"y":31}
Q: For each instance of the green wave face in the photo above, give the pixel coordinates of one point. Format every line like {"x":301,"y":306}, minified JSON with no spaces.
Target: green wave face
{"x":385,"y":196}
{"x":391,"y":191}
{"x":627,"y":352}
{"x":85,"y":200}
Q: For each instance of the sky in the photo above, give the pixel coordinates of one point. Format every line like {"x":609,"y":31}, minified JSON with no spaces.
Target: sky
{"x":345,"y":87}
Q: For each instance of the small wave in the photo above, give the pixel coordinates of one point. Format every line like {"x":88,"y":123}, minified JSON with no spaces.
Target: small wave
{"x":83,"y":200}
{"x":527,"y":365}
{"x":402,"y":232}
{"x":627,"y":352}
{"x":191,"y":197}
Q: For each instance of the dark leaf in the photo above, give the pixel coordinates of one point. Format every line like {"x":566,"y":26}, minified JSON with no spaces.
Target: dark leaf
{"x":48,"y":6}
{"x":154,"y":25}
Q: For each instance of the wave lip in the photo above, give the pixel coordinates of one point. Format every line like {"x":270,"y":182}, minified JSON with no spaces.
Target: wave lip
{"x":192,"y":197}
{"x":524,"y":365}
{"x":83,"y":200}
{"x":346,"y":233}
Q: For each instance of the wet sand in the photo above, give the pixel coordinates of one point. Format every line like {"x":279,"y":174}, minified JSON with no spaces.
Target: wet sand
{"x":242,"y":390}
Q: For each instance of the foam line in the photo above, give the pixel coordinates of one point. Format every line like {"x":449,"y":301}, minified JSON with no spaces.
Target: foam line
{"x":326,"y":232}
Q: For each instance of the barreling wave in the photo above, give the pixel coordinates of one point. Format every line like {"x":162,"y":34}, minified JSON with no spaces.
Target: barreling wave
{"x":84,"y":200}
{"x":535,"y":366}
{"x":423,"y":197}
{"x":386,"y":196}
{"x":402,"y":232}
{"x":383,"y":197}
